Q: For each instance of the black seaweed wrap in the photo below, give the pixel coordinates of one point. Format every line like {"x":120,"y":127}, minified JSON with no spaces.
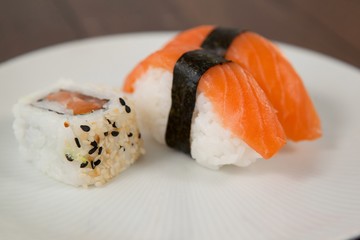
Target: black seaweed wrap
{"x":187,"y":72}
{"x":220,"y":39}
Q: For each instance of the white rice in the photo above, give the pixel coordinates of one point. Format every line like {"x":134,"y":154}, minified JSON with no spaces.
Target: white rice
{"x":47,"y":137}
{"x":212,"y":145}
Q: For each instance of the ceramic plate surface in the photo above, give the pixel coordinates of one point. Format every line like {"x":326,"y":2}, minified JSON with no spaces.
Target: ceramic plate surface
{"x":310,"y":190}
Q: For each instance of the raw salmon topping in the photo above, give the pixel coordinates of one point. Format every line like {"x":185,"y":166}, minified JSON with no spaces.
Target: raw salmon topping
{"x":273,"y":72}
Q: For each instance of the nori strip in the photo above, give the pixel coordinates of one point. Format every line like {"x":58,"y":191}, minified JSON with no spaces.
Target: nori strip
{"x":220,"y":39}
{"x":186,"y":75}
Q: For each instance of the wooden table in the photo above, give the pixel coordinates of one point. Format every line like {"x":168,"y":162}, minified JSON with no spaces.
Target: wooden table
{"x":328,"y":26}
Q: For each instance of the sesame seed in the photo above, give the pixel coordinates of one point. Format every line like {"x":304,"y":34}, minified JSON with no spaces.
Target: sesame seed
{"x":85,"y":128}
{"x":130,"y":134}
{"x":127,"y":109}
{"x":92,"y":165}
{"x":106,"y":133}
{"x":100,"y":150}
{"x":94,"y":144}
{"x":139,"y":136}
{"x":114,"y":133}
{"x":97,"y":162}
{"x":84,"y":164}
{"x":114,"y":125}
{"x":91,"y":151}
{"x":69,"y":157}
{"x":122,"y":101}
{"x":108,"y":121}
{"x":77,"y":143}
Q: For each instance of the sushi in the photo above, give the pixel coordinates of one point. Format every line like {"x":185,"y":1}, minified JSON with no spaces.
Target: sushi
{"x":78,"y":135}
{"x":273,"y":72}
{"x":204,"y":105}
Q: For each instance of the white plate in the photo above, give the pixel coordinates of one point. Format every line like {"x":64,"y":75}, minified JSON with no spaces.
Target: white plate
{"x":310,"y":190}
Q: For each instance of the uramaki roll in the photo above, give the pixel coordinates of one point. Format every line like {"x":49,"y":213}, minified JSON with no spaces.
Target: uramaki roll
{"x":78,"y":135}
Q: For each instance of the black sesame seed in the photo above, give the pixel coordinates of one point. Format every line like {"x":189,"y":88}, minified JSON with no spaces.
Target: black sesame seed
{"x":123,"y":149}
{"x":106,"y":133}
{"x":121,"y":146}
{"x":77,"y":143}
{"x":114,"y":133}
{"x":92,"y":165}
{"x":122,"y":101}
{"x":85,"y":128}
{"x":91,"y":151}
{"x":114,"y":125}
{"x":84,"y":164}
{"x":97,"y":162}
{"x":100,"y":150}
{"x":132,"y":144}
{"x":127,"y":109}
{"x":108,"y":121}
{"x":130,"y":134}
{"x":69,"y":157}
{"x":94,"y":144}
{"x":139,"y":135}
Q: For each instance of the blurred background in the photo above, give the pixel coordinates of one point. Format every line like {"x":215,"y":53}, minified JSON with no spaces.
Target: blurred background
{"x":328,"y":26}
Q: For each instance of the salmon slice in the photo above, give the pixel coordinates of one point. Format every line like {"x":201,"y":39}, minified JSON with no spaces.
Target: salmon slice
{"x":163,"y":58}
{"x":237,"y":99}
{"x":280,"y":82}
{"x":192,"y":37}
{"x":243,"y":107}
{"x":275,"y":75}
{"x":77,"y":102}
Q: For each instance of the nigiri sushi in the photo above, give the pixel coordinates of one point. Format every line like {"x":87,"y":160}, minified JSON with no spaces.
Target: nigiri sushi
{"x":79,"y":135}
{"x":273,"y":72}
{"x":204,"y":105}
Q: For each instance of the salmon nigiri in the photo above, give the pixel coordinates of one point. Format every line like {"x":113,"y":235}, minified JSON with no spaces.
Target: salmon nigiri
{"x":273,"y":72}
{"x":202,"y":104}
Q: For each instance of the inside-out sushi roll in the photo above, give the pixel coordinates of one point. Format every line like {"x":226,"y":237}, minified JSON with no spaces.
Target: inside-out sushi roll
{"x":203,"y":105}
{"x":270,"y":68}
{"x":78,"y":135}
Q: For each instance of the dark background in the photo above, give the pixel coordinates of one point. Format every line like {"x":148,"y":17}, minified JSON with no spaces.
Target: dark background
{"x":328,"y":26}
